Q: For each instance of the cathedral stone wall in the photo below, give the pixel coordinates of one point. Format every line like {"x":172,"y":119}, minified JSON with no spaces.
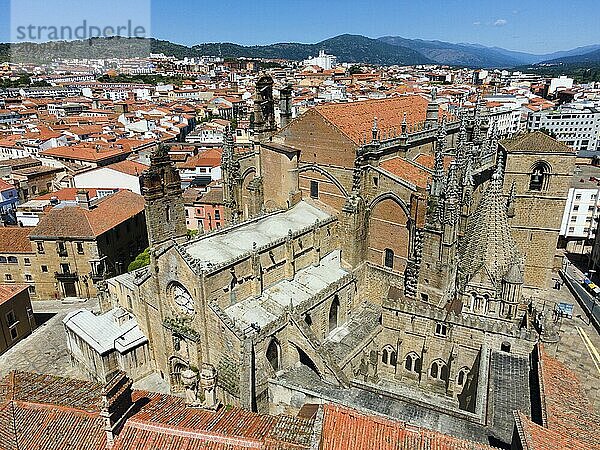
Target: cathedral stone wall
{"x":538,"y":213}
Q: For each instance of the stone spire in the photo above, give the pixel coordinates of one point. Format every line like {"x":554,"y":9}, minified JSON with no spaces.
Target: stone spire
{"x":451,"y":196}
{"x":432,"y":116}
{"x":375,"y":131}
{"x":437,"y":183}
{"x":461,"y":147}
{"x":510,"y":204}
{"x":488,"y":247}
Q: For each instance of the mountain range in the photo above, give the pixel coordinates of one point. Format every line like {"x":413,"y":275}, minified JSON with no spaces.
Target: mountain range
{"x":387,"y":50}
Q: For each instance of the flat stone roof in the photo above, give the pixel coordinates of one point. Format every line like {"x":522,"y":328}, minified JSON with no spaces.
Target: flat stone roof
{"x":306,"y":284}
{"x":235,"y":241}
{"x":104,"y":333}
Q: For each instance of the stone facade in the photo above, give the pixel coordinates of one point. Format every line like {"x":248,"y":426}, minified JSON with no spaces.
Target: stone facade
{"x":362,"y":267}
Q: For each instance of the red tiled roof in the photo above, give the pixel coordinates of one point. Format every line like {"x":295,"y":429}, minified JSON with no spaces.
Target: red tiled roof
{"x":208,"y":158}
{"x":407,"y":170}
{"x":568,"y":410}
{"x":348,"y":429}
{"x":355,"y":120}
{"x":539,"y":438}
{"x":77,"y":222}
{"x":85,"y":152}
{"x":8,"y":291}
{"x":15,"y":240}
{"x":128,"y":167}
{"x":4,"y":186}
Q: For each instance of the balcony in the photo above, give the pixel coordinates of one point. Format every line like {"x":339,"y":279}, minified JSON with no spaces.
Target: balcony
{"x":66,"y":276}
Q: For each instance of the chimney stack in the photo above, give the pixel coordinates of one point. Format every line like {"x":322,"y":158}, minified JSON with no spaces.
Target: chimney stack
{"x":83,"y":199}
{"x":116,"y":404}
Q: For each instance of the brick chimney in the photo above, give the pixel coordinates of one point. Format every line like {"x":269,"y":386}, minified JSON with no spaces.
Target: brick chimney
{"x":83,"y":199}
{"x":116,"y":404}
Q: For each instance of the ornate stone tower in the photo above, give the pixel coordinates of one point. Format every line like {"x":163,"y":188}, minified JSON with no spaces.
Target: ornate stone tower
{"x":538,"y":174}
{"x":264,"y":108}
{"x":285,"y":105}
{"x":230,"y":168}
{"x":161,"y":188}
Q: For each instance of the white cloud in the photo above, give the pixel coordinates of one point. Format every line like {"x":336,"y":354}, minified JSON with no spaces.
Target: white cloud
{"x":477,"y":23}
{"x":500,"y":22}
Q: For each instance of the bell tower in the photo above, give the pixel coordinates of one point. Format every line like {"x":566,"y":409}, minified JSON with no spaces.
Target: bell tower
{"x":161,"y":187}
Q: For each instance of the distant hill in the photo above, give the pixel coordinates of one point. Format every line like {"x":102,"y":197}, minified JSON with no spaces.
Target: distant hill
{"x":348,"y":48}
{"x":476,"y":55}
{"x":592,"y":58}
{"x":467,"y":55}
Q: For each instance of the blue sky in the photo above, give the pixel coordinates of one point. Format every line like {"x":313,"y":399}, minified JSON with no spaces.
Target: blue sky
{"x":525,"y":25}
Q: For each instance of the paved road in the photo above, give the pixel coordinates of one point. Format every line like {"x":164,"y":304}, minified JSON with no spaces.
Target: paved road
{"x":45,"y":350}
{"x":589,"y":302}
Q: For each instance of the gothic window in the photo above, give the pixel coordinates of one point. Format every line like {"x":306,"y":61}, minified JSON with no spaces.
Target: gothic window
{"x":439,"y":370}
{"x":274,"y":354}
{"x":334,"y":313}
{"x":182,"y":298}
{"x":308,"y":319}
{"x":168,"y":213}
{"x":388,"y":260}
{"x":389,"y":356}
{"x":538,"y":179}
{"x":412,"y":362}
{"x":461,"y":378}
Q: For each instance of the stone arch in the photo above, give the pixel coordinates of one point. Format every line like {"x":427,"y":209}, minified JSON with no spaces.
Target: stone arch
{"x":389,"y":232}
{"x":176,"y":366}
{"x":273,"y":354}
{"x":320,"y":170}
{"x":539,"y":176}
{"x":303,"y":356}
{"x":246,"y":197}
{"x":334,"y":313}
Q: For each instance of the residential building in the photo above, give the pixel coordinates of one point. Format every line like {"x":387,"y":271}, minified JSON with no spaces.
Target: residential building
{"x":77,"y":246}
{"x":201,"y":169}
{"x":576,"y":125}
{"x":324,"y":61}
{"x":16,"y":315}
{"x":204,"y":211}
{"x":9,"y":199}
{"x":121,"y":175}
{"x":582,"y":210}
{"x":17,"y":258}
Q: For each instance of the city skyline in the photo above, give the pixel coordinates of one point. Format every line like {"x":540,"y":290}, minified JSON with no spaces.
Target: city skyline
{"x":536,"y":27}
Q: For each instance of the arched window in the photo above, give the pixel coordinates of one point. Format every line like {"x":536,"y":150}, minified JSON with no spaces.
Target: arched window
{"x":168,"y":213}
{"x":389,"y":355}
{"x":439,"y":370}
{"x":334,"y":313}
{"x":3,"y":260}
{"x":388,"y":260}
{"x":412,"y":363}
{"x":12,"y":260}
{"x":540,"y":174}
{"x":308,"y":319}
{"x":274,"y":354}
{"x":461,"y":378}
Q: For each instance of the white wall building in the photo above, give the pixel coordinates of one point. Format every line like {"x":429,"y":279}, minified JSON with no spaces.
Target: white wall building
{"x":562,"y":82}
{"x":577,"y":125}
{"x":326,"y":62}
{"x":582,"y":210}
{"x":121,"y":175}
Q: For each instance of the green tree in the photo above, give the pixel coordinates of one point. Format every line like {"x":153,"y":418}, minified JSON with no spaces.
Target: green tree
{"x":142,"y":260}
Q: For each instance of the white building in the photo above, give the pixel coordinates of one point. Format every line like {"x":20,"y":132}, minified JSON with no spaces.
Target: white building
{"x":582,"y":210}
{"x":562,"y":82}
{"x":120,"y":175}
{"x":575,"y":124}
{"x":326,"y":62}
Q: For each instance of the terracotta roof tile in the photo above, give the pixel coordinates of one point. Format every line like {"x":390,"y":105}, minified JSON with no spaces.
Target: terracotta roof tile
{"x":128,"y":167}
{"x":8,"y":291}
{"x":77,"y":222}
{"x":535,"y":142}
{"x":355,"y":120}
{"x":407,"y":170}
{"x":15,"y":240}
{"x":348,"y":429}
{"x":208,"y":158}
